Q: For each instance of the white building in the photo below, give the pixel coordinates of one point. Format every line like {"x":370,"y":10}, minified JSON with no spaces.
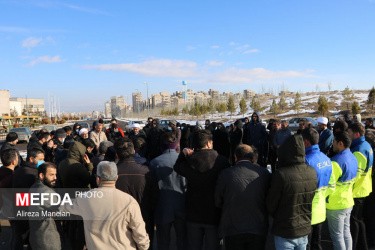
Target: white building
{"x":33,"y":104}
{"x":4,"y":102}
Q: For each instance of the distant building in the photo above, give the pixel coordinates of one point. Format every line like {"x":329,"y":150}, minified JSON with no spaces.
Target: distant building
{"x":117,"y":106}
{"x":137,"y":102}
{"x":156,"y":101}
{"x":4,"y":102}
{"x":107,"y":110}
{"x":190,"y":96}
{"x":284,"y":93}
{"x":33,"y":104}
{"x":165,"y":99}
{"x":214,"y":93}
{"x":248,"y":93}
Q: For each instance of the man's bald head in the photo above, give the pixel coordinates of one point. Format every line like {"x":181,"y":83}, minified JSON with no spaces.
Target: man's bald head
{"x":244,"y":152}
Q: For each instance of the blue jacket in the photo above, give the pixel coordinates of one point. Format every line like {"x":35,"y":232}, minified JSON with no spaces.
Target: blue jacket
{"x":256,"y":133}
{"x":326,"y":183}
{"x":325,"y":140}
{"x":344,"y":166}
{"x":172,"y":187}
{"x":363,"y":152}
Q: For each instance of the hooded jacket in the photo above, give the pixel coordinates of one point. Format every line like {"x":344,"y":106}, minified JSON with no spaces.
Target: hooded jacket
{"x":292,"y":189}
{"x":221,"y":141}
{"x":256,"y":133}
{"x":235,"y":138}
{"x":74,"y":172}
{"x":153,"y":140}
{"x":201,"y":170}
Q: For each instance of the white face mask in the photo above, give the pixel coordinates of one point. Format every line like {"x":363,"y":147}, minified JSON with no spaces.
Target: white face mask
{"x":62,"y":140}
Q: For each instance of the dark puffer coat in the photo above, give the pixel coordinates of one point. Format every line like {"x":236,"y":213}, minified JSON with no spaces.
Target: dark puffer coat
{"x":292,"y":189}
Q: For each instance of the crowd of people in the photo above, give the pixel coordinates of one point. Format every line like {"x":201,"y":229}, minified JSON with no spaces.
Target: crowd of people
{"x":209,"y":183}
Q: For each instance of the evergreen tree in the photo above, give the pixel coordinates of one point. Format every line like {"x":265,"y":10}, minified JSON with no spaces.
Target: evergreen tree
{"x":348,"y":96}
{"x":204,"y":110}
{"x":195,"y":110}
{"x":323,"y":105}
{"x":356,"y":109}
{"x":282,"y":104}
{"x":371,"y":99}
{"x":274,"y":108}
{"x":230,"y":106}
{"x":211,"y":107}
{"x":297,"y":103}
{"x":221,"y":108}
{"x":243,"y":106}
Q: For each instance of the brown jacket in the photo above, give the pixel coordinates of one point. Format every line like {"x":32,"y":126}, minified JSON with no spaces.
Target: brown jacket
{"x":98,"y":137}
{"x":112,"y":220}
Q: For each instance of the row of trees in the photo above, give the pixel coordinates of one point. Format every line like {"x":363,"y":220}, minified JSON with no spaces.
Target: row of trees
{"x":323,"y":106}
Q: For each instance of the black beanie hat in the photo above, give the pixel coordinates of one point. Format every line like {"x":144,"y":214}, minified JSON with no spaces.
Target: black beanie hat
{"x":12,"y":136}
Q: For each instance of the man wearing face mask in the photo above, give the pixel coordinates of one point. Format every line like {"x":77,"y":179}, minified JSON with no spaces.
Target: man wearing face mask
{"x":114,"y":132}
{"x":44,"y":143}
{"x":173,"y":128}
{"x":24,"y":177}
{"x":60,"y":137}
{"x":43,"y":231}
{"x":75,"y":132}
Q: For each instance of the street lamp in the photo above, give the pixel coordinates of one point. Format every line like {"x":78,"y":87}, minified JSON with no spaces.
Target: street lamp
{"x":148,"y":104}
{"x":136,"y":99}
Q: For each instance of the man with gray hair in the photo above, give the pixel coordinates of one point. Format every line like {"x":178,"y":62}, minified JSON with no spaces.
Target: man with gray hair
{"x":112,"y":218}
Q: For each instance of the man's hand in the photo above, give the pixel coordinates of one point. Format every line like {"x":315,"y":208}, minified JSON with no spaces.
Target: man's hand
{"x":187,"y":151}
{"x":86,"y":158}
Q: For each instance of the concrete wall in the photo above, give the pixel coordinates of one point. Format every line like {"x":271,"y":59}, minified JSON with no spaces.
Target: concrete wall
{"x":33,"y":103}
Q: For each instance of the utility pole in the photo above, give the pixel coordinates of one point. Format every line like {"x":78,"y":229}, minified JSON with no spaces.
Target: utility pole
{"x":148,"y":104}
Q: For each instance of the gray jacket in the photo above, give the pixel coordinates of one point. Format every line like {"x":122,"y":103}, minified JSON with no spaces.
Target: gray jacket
{"x":43,"y":231}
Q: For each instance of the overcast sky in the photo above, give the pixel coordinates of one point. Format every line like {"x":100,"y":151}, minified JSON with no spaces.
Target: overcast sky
{"x":84,"y":52}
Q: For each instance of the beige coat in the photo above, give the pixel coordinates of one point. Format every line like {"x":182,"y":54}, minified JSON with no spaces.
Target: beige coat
{"x":98,"y":137}
{"x":113,"y":221}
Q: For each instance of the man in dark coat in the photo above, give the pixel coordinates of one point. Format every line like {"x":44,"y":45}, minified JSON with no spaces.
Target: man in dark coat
{"x":137,"y":132}
{"x":114,"y":132}
{"x":185,"y":136}
{"x":244,"y":137}
{"x":138,"y":181}
{"x":235,"y":138}
{"x":11,"y":143}
{"x":44,"y":143}
{"x":289,"y":199}
{"x":170,"y":210}
{"x":347,"y":119}
{"x":24,"y":177}
{"x":221,"y":140}
{"x":201,"y":168}
{"x":257,"y":136}
{"x":75,"y":172}
{"x":43,"y":231}
{"x":243,"y":224}
{"x":153,"y":140}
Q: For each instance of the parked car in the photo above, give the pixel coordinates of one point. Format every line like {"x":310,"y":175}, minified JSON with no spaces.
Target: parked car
{"x":294,"y":122}
{"x":24,"y":133}
{"x":165,"y":123}
{"x":50,"y":128}
{"x":84,"y":125}
{"x":107,"y":123}
{"x":128,"y":126}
